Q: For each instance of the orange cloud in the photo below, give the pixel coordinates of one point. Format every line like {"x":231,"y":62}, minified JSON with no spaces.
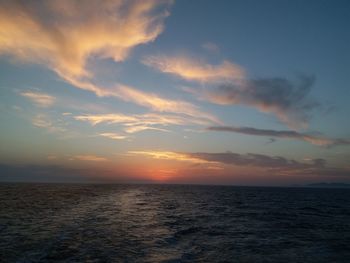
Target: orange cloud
{"x":64,"y":34}
{"x":195,"y":70}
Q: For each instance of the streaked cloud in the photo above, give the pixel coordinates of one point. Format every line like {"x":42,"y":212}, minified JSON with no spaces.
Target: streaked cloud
{"x":226,"y":84}
{"x":114,"y":136}
{"x":287,"y":100}
{"x":256,"y":160}
{"x":38,"y":98}
{"x":151,"y":101}
{"x":277,"y":165}
{"x":166,"y":155}
{"x":141,"y":122}
{"x":44,"y":121}
{"x":64,"y":34}
{"x":194,"y":69}
{"x":89,"y":158}
{"x":108,"y":118}
{"x":138,"y":128}
{"x":157,"y":103}
{"x":250,"y":159}
{"x":273,"y":165}
{"x":316,"y":140}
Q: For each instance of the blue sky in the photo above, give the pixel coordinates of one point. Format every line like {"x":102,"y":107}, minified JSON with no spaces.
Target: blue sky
{"x":224,"y":92}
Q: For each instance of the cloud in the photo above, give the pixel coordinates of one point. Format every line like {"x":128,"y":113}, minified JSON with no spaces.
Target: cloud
{"x":160,"y":104}
{"x":274,"y":165}
{"x":137,"y":123}
{"x":44,"y":121}
{"x":64,"y":34}
{"x":38,"y":98}
{"x":227,"y":85}
{"x":287,"y":100}
{"x":250,"y":159}
{"x":138,"y":128}
{"x":256,"y":160}
{"x":316,"y":140}
{"x":194,"y":69}
{"x":114,"y":136}
{"x":89,"y":158}
{"x":166,"y":155}
{"x":108,"y":118}
{"x":212,"y":47}
{"x":149,"y":100}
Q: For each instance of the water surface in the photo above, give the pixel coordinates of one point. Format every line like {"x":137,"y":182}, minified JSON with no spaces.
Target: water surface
{"x":161,"y":223}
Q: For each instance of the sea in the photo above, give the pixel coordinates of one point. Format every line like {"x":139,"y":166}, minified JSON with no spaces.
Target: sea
{"x":172,"y":223}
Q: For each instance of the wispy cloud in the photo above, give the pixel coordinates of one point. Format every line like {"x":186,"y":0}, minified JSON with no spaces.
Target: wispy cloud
{"x":114,"y":136}
{"x":137,"y":123}
{"x":316,"y":140}
{"x":226,"y":84}
{"x":89,"y":158}
{"x":166,"y":155}
{"x":194,"y":69}
{"x":108,"y":118}
{"x":65,"y":34}
{"x":160,"y":104}
{"x":44,"y":121}
{"x":138,"y":128}
{"x":149,"y":100}
{"x":250,"y":159}
{"x":256,"y":160}
{"x":287,"y":100}
{"x":40,"y":99}
{"x":276,"y":165}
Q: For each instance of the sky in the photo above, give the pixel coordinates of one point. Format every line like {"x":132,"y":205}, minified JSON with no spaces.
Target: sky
{"x":156,"y":91}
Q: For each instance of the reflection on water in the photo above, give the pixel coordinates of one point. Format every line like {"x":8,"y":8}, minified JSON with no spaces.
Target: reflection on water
{"x":145,"y":223}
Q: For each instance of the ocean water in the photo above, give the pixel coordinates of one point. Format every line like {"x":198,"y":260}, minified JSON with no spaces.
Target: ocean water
{"x":164,"y":223}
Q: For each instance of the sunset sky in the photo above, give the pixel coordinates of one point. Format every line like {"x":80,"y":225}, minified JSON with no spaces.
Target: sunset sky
{"x":209,"y":92}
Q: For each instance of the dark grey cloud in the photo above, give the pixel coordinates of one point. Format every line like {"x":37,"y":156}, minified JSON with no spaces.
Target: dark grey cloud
{"x":257,"y":160}
{"x":289,"y":101}
{"x":275,"y":164}
{"x":313,"y":139}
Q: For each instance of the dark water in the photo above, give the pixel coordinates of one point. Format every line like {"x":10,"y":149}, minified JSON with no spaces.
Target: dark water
{"x":121,"y":223}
